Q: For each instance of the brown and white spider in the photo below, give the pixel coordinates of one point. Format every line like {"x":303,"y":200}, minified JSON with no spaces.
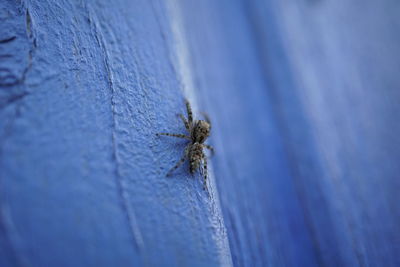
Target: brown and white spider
{"x":198,"y":131}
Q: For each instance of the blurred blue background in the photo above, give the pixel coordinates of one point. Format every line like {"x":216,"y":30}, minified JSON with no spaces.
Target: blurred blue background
{"x":304,"y":102}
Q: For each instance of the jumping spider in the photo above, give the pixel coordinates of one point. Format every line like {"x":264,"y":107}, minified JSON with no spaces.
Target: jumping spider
{"x":198,"y":131}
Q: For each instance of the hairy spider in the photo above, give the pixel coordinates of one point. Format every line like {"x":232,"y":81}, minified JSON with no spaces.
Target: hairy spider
{"x":198,"y":131}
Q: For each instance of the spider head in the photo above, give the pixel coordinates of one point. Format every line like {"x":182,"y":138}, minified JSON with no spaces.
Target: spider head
{"x":201,"y":131}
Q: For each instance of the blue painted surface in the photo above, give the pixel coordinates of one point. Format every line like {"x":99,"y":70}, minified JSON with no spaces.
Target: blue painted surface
{"x":304,"y":100}
{"x":82,"y":172}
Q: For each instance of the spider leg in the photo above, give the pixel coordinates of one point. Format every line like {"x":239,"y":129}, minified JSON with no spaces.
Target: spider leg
{"x":174,"y":135}
{"x":179,"y":163}
{"x":189,"y":112}
{"x":184,"y":122}
{"x":205,"y":173}
{"x":210,"y":148}
{"x":206,"y":117}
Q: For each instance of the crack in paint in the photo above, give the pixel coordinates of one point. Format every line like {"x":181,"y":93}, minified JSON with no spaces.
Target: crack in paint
{"x":127,"y":209}
{"x":7,"y":40}
{"x":6,"y":223}
{"x":12,"y":99}
{"x":32,"y":49}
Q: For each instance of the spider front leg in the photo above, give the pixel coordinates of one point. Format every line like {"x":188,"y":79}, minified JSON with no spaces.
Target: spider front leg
{"x":189,"y":112}
{"x":206,"y":117}
{"x":185,"y":122}
{"x":174,"y":135}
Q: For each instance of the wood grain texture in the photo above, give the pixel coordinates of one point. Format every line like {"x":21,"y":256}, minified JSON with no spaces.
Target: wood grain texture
{"x":304,"y":102}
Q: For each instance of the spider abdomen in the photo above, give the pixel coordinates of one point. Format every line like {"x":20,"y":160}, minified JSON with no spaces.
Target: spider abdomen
{"x":195,"y":156}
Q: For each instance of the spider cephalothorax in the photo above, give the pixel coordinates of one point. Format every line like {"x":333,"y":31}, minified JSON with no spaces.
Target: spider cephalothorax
{"x":198,"y":130}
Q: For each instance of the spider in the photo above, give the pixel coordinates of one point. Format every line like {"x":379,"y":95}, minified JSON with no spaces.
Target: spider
{"x":198,"y":131}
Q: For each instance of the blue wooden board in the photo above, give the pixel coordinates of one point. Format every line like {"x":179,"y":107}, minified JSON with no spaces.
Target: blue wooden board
{"x":304,"y":102}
